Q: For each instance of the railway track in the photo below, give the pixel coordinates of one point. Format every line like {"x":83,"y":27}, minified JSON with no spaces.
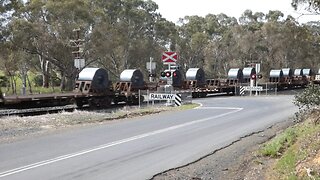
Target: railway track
{"x":36,"y":111}
{"x":58,"y":109}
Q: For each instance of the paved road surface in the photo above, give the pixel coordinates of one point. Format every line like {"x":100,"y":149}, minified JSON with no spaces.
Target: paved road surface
{"x":140,"y":147}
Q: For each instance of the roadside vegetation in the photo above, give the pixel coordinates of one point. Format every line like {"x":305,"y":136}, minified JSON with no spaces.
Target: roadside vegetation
{"x":297,"y":149}
{"x":34,"y":84}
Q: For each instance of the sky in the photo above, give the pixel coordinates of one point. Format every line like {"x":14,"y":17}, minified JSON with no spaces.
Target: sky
{"x":172,"y":10}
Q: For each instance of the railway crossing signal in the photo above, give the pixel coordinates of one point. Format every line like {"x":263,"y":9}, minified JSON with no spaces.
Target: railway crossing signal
{"x":168,"y":74}
{"x":169,"y":57}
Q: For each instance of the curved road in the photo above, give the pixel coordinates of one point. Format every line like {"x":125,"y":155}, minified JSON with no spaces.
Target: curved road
{"x":140,"y":147}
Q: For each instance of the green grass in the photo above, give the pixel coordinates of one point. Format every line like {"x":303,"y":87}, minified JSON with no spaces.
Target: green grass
{"x":291,"y":147}
{"x":275,"y":147}
{"x":187,"y":106}
{"x":34,"y":89}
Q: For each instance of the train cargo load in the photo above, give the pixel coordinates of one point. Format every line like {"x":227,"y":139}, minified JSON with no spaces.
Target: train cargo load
{"x":276,"y":75}
{"x":287,"y":72}
{"x":298,"y":79}
{"x":235,"y":76}
{"x":134,"y":76}
{"x":298,"y":72}
{"x":92,"y":80}
{"x":235,"y":73}
{"x":308,"y":74}
{"x":95,"y":88}
{"x":248,"y":72}
{"x":127,"y":89}
{"x":196,"y":75}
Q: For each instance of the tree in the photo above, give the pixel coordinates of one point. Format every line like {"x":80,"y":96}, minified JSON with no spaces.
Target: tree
{"x":44,"y":28}
{"x":124,"y":33}
{"x":312,"y":5}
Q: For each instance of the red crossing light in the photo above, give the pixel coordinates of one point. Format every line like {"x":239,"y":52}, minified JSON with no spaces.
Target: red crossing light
{"x":168,"y":74}
{"x":253,"y":76}
{"x":174,"y":74}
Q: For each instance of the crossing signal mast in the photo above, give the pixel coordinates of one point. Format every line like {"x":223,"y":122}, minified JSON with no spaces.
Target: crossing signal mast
{"x":170,"y":59}
{"x":77,"y":44}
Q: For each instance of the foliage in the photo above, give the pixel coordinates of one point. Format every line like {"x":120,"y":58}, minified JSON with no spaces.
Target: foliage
{"x":312,"y":5}
{"x":120,"y":34}
{"x":299,"y":148}
{"x":309,"y":98}
{"x":278,"y":145}
{"x":4,"y":81}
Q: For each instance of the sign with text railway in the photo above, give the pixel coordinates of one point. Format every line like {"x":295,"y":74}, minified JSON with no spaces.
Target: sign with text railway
{"x":169,"y":57}
{"x":156,"y":96}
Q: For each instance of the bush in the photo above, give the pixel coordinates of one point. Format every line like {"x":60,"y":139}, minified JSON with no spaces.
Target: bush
{"x":309,"y":98}
{"x":38,"y":80}
{"x":4,"y":81}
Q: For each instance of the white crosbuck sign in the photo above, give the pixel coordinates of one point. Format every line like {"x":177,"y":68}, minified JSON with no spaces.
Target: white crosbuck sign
{"x":169,"y":57}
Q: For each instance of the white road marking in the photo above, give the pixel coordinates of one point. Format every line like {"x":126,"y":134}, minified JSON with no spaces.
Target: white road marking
{"x":104,"y":146}
{"x":227,"y":108}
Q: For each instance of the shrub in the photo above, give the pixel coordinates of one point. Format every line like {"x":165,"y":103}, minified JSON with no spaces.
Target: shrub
{"x":38,"y":80}
{"x":309,"y":98}
{"x":4,"y":81}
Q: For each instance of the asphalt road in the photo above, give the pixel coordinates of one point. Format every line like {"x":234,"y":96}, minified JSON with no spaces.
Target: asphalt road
{"x":141,"y":147}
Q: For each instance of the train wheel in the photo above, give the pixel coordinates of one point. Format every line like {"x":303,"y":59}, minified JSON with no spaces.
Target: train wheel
{"x":194,"y":95}
{"x":79,"y":103}
{"x":106,"y":102}
{"x":92,"y":103}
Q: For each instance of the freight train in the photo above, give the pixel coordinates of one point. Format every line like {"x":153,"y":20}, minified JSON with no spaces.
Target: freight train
{"x":93,"y":87}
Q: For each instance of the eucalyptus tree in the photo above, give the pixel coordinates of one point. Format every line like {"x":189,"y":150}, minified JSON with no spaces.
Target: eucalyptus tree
{"x":44,"y":28}
{"x":221,"y":51}
{"x":193,"y":39}
{"x":311,"y":5}
{"x":124,"y":33}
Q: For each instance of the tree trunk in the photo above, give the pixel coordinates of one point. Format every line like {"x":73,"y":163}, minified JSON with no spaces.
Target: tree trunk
{"x":45,"y":66}
{"x":62,"y":83}
{"x":29,"y":84}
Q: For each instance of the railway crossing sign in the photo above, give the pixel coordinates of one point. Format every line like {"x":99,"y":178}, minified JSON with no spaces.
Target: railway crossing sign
{"x":169,"y":57}
{"x":157,"y":96}
{"x":253,"y":88}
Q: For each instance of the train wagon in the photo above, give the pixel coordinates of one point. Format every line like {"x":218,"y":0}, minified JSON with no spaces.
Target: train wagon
{"x":127,"y":89}
{"x":93,"y":88}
